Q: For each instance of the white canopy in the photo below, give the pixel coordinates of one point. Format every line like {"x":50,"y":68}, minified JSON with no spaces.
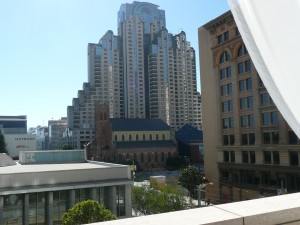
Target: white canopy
{"x":271,"y":32}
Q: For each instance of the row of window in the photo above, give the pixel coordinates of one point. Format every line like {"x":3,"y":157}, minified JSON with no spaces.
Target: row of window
{"x":137,"y":137}
{"x":268,"y":137}
{"x":225,"y":56}
{"x":269,"y":157}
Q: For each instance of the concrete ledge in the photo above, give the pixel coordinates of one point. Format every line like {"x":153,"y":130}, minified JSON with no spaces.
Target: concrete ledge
{"x":284,"y":209}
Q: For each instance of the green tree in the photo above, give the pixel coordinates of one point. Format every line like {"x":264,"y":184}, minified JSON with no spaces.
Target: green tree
{"x":158,"y":198}
{"x":66,"y":146}
{"x":3,"y":146}
{"x":190,"y":178}
{"x":86,"y":212}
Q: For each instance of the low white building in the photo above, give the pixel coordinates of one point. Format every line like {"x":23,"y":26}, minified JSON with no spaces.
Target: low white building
{"x":44,"y":184}
{"x":19,"y":142}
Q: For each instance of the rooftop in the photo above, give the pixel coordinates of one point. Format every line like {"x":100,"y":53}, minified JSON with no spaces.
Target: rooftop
{"x":119,"y":124}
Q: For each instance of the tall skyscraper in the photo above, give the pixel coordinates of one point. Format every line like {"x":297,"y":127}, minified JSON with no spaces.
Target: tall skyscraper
{"x":250,"y":151}
{"x":144,"y":72}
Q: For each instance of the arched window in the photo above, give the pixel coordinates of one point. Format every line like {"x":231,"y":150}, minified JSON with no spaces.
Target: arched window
{"x":142,"y":158}
{"x":144,"y":137}
{"x":156,"y":136}
{"x":123,"y":137}
{"x":242,"y":51}
{"x":150,"y":137}
{"x":130,"y":137}
{"x":137,"y":137}
{"x":134,"y":157}
{"x":116,"y":137}
{"x":162,"y":156}
{"x":164,"y":137}
{"x":224,"y":57}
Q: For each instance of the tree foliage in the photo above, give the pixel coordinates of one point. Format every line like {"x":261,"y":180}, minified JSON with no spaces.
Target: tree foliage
{"x":190,"y":178}
{"x":3,"y":146}
{"x":158,"y":198}
{"x":86,"y":212}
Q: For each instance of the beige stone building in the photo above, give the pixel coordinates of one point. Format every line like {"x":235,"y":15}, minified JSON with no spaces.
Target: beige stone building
{"x":250,"y":151}
{"x":147,"y":142}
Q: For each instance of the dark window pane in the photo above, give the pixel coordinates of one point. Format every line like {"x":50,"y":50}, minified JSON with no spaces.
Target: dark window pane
{"x":275,"y":137}
{"x":240,"y":68}
{"x":244,"y":139}
{"x":276,"y":158}
{"x":231,"y":139}
{"x":251,"y":138}
{"x":292,"y":138}
{"x":226,"y":156}
{"x":252,"y":157}
{"x":247,"y":66}
{"x":225,"y":140}
{"x":267,"y":157}
{"x":294,"y":159}
{"x":245,"y":157}
{"x":232,"y":156}
{"x":266,"y":138}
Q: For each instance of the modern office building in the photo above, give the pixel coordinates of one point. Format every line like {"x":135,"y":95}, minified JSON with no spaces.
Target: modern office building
{"x":250,"y":151}
{"x":56,"y":129}
{"x":13,"y":124}
{"x":144,"y":72}
{"x":44,"y":184}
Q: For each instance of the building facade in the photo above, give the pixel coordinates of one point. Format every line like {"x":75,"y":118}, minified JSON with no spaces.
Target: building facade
{"x":250,"y":151}
{"x":47,"y":183}
{"x":147,"y":142}
{"x":143,"y":72}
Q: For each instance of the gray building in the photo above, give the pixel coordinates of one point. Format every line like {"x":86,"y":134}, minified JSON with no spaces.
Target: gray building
{"x":13,"y":124}
{"x":45,"y":184}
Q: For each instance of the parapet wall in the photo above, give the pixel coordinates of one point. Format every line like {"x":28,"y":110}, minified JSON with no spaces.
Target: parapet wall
{"x":284,"y":209}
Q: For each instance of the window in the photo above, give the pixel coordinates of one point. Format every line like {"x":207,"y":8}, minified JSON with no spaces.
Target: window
{"x":265,"y":99}
{"x":248,"y":139}
{"x":244,"y":67}
{"x":250,"y":102}
{"x":247,"y":66}
{"x":232,"y":156}
{"x":267,"y":157}
{"x":228,"y":139}
{"x":275,"y":137}
{"x":252,"y":157}
{"x":162,"y":156}
{"x":137,"y":137}
{"x":293,"y":139}
{"x":266,"y":119}
{"x":116,"y":138}
{"x":276,"y":158}
{"x":220,"y":39}
{"x":294,"y":161}
{"x":243,"y":103}
{"x":130,"y":137}
{"x":228,"y":156}
{"x":224,"y":57}
{"x":240,"y":68}
{"x":243,"y":121}
{"x":245,"y":157}
{"x":231,"y":122}
{"x":225,"y":123}
{"x":223,"y":37}
{"x":226,"y":36}
{"x":242,"y":51}
{"x":225,"y":73}
{"x":249,"y":84}
{"x":225,"y":106}
{"x":274,"y":118}
{"x":267,"y":138}
{"x":123,"y":137}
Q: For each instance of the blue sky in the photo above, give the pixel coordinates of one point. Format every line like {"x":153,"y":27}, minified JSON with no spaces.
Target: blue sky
{"x":43,"y":47}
